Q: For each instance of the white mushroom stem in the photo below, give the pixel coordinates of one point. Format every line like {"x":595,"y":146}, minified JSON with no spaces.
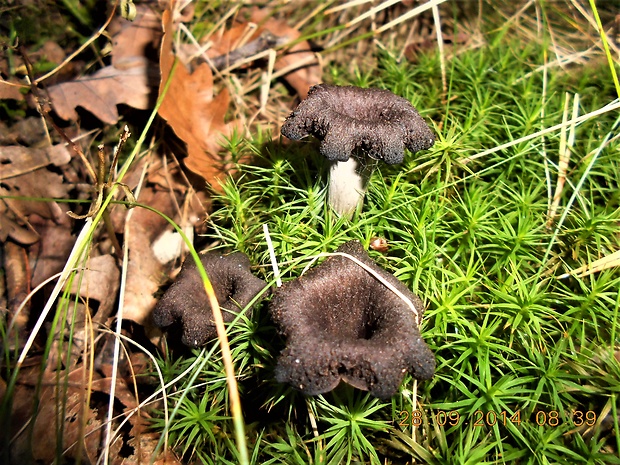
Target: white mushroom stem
{"x":347,"y":185}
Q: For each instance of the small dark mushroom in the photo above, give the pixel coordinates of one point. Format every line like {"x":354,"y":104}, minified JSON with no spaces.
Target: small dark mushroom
{"x":234,"y":285}
{"x":351,"y":123}
{"x":342,"y":323}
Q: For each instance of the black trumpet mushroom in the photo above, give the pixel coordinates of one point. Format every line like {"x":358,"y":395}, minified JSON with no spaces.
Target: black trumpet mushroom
{"x":185,"y":301}
{"x":357,"y":127}
{"x":341,"y":323}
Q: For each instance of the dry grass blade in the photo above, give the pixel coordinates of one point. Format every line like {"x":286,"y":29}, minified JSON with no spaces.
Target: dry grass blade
{"x":543,"y":139}
{"x":272,"y":256}
{"x":372,"y":272}
{"x":588,"y":116}
{"x":609,"y":261}
{"x":566,"y":144}
{"x":593,"y":23}
{"x":606,"y":42}
{"x":410,"y":14}
{"x":70,"y":266}
{"x":574,"y":58}
{"x":442,"y":55}
{"x":346,"y":6}
{"x":369,"y":13}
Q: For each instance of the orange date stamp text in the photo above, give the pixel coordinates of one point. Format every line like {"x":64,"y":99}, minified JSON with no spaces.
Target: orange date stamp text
{"x":490,"y":418}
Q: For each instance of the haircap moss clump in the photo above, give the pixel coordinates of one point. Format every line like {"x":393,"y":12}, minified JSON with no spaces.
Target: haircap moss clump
{"x":348,"y":119}
{"x":185,"y":301}
{"x":342,"y":323}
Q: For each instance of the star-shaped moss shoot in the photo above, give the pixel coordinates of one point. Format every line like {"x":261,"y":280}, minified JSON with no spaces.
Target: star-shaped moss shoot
{"x":185,"y":301}
{"x":355,"y":125}
{"x":341,"y":322}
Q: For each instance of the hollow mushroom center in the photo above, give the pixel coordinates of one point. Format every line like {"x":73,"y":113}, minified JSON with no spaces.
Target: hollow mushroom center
{"x":349,"y":318}
{"x":362,"y":327}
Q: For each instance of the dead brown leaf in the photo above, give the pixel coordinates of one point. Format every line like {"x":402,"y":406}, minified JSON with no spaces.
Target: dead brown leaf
{"x":17,"y":283}
{"x":145,"y":273}
{"x":11,"y":91}
{"x":100,"y":281}
{"x":58,"y":408}
{"x":36,"y":184}
{"x":14,"y":227}
{"x":144,"y":447}
{"x":193,"y":112}
{"x":128,"y":80}
{"x":75,"y":437}
{"x":48,"y":256}
{"x":17,"y":160}
{"x":41,"y":224}
{"x":29,"y":131}
{"x":167,"y":190}
{"x":231,"y":39}
{"x":66,"y":407}
{"x":122,"y":391}
{"x":99,"y":93}
{"x":24,"y":174}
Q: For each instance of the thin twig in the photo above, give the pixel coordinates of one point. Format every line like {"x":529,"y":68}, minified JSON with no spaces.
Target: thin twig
{"x":264,"y":42}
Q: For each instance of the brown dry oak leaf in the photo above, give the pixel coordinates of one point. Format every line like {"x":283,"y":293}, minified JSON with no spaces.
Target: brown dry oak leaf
{"x":128,"y":80}
{"x":17,"y":160}
{"x":30,"y":131}
{"x":144,"y":447}
{"x":193,"y":112}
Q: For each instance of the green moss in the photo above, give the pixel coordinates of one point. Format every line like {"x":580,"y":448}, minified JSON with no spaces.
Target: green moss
{"x":514,"y":342}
